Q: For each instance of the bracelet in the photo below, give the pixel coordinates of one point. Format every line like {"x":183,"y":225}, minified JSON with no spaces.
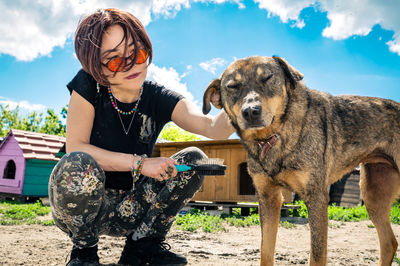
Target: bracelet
{"x":140,"y":165}
{"x":135,"y":172}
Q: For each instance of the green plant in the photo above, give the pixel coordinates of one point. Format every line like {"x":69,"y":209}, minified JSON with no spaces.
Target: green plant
{"x":20,"y":213}
{"x":302,"y":211}
{"x":396,"y":259}
{"x":238,"y":221}
{"x":172,"y":132}
{"x":395,"y":213}
{"x":357,"y":213}
{"x":195,"y":219}
{"x":49,"y":123}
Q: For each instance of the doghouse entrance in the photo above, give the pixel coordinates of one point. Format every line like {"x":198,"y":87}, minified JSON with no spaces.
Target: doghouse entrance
{"x":246,"y":186}
{"x":9,"y":171}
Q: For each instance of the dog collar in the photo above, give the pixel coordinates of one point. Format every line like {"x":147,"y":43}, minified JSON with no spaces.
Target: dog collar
{"x":267,"y":144}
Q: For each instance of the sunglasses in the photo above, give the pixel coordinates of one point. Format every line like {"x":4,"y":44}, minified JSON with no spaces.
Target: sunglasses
{"x":118,"y":63}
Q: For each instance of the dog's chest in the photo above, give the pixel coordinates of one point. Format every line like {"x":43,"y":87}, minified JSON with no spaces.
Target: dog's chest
{"x":269,"y":164}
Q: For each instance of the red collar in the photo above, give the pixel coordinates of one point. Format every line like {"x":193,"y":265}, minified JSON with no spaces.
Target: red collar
{"x":267,"y":144}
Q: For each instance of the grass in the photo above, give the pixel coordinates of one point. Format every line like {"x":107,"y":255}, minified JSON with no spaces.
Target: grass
{"x":32,"y":213}
{"x":23,"y":213}
{"x":354,"y":214}
{"x":198,"y":220}
{"x":195,"y":220}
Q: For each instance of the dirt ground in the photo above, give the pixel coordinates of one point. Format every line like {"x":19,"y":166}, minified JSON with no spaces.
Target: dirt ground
{"x":352,"y":243}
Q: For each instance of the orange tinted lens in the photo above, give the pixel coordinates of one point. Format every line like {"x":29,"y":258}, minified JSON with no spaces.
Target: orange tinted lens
{"x":142,"y":56}
{"x":115,"y":64}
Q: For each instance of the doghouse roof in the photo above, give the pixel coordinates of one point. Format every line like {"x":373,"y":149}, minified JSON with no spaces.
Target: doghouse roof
{"x":36,"y":145}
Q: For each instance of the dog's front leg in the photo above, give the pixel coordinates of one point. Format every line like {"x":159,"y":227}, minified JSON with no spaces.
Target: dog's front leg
{"x":317,"y":205}
{"x":270,"y":202}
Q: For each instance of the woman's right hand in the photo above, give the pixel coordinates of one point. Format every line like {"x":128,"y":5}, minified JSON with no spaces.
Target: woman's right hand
{"x":159,"y":168}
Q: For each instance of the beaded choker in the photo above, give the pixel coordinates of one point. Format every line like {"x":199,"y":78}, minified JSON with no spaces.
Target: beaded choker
{"x":119,"y":111}
{"x":114,"y":104}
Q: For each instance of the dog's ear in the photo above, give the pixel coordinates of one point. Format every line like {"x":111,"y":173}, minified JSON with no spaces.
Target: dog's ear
{"x":291,"y":73}
{"x":212,"y":95}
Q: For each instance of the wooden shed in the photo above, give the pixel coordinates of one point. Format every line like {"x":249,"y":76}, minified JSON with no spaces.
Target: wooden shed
{"x":236,"y":185}
{"x":346,"y":191}
{"x":26,"y":161}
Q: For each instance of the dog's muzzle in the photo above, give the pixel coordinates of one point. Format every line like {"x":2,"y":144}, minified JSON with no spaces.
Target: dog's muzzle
{"x":252,"y":114}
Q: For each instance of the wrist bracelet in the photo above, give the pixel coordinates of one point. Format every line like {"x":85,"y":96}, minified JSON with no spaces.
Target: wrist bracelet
{"x":140,"y":165}
{"x":135,"y":172}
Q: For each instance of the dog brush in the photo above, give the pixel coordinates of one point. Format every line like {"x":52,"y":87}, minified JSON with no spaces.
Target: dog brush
{"x":211,"y":166}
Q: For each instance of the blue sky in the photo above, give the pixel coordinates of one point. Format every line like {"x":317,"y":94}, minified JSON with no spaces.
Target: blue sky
{"x":340,"y":47}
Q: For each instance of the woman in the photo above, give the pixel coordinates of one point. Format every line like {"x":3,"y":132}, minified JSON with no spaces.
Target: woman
{"x":107,"y":183}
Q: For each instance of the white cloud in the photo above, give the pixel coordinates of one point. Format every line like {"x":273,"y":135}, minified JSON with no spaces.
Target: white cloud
{"x":22,"y":105}
{"x":347,"y":18}
{"x":394,"y":45}
{"x":171,"y":79}
{"x":211,"y":65}
{"x":238,"y":2}
{"x":168,"y":7}
{"x":287,"y":10}
{"x":30,"y":29}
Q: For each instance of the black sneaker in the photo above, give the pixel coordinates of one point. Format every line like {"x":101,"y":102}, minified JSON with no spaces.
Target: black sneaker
{"x":150,"y":251}
{"x":84,"y":257}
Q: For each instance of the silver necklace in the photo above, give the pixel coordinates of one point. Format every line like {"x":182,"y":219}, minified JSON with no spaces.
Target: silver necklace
{"x":126,"y":131}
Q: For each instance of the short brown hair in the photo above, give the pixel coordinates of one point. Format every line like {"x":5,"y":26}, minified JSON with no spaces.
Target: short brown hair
{"x":89,"y":34}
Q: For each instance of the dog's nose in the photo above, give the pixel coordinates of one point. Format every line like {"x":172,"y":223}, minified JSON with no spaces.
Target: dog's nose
{"x":252,"y":113}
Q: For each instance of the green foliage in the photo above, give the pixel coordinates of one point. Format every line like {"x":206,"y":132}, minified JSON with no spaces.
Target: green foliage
{"x":241,"y":221}
{"x":396,"y":259}
{"x":52,"y":125}
{"x":172,"y":132}
{"x":301,"y":212}
{"x":20,"y":213}
{"x":196,"y":219}
{"x":395,"y":213}
{"x":35,"y":122}
{"x":357,"y":213}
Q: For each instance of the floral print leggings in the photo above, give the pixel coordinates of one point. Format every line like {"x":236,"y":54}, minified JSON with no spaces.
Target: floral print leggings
{"x":84,"y":209}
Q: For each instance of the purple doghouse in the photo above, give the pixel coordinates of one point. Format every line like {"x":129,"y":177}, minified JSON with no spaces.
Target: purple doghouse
{"x":26,"y":161}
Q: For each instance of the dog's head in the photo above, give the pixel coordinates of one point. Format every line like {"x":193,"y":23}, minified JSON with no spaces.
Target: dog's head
{"x":253,"y":91}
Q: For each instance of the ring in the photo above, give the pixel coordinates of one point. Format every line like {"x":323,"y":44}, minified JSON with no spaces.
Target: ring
{"x":163,"y":176}
{"x":169,"y":171}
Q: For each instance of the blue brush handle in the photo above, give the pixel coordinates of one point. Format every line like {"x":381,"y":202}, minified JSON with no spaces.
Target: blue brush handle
{"x":182,"y":167}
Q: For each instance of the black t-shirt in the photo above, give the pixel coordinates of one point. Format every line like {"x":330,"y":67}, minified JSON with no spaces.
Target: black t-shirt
{"x":154,"y":111}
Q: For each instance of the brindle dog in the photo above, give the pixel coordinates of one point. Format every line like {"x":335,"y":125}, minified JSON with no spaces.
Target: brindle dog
{"x":304,"y":140}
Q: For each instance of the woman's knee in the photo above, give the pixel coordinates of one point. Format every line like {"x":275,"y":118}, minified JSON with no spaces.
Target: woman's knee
{"x":75,"y":180}
{"x":76,"y":164}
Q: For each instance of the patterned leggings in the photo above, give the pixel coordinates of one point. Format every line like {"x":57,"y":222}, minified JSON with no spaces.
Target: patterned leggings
{"x":84,"y":209}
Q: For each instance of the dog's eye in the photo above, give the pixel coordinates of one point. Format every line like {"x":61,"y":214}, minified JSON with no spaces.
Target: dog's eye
{"x":266,"y":78}
{"x":232,"y":85}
